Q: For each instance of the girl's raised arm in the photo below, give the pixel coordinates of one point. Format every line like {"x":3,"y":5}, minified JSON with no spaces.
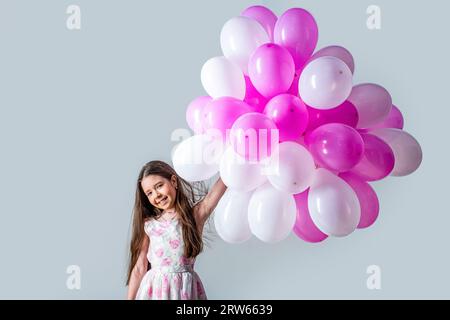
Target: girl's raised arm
{"x":209,"y":203}
{"x":139,"y":270}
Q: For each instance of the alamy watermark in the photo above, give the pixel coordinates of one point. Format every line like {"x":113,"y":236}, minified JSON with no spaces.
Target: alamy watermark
{"x":374,"y":19}
{"x":73,"y":21}
{"x":374,"y":280}
{"x":73,"y":281}
{"x":258,"y":145}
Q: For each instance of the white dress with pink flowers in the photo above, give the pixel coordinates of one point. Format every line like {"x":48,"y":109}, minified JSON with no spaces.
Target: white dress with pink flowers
{"x":172,"y":275}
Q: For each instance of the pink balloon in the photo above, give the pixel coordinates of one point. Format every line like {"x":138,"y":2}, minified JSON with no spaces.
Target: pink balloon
{"x":335,"y":146}
{"x":338,"y":52}
{"x":294,"y":86}
{"x":373,"y":102}
{"x":222,"y":112}
{"x":304,"y":227}
{"x":378,"y":159}
{"x":301,"y":140}
{"x":271,"y":69}
{"x":194,"y":113}
{"x":346,"y":113}
{"x":407,"y":150}
{"x":289,"y":114}
{"x":297,"y":31}
{"x":253,"y":136}
{"x":264,"y":16}
{"x":393,"y":120}
{"x":253,"y":98}
{"x":367,"y":197}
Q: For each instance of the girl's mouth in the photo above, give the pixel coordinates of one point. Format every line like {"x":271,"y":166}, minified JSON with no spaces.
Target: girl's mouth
{"x":163,"y":201}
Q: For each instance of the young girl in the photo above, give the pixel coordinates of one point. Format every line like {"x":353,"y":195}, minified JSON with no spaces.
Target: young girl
{"x":167,"y":233}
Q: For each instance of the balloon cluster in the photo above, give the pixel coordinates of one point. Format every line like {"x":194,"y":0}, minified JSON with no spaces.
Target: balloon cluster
{"x":293,"y":139}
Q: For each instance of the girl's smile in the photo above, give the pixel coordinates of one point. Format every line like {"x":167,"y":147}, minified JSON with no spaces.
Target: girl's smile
{"x":163,"y":201}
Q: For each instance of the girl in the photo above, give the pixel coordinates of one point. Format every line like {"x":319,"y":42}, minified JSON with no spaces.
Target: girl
{"x":167,"y":233}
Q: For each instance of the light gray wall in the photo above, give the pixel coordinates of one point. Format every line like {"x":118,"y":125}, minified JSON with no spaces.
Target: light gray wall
{"x":82,"y":111}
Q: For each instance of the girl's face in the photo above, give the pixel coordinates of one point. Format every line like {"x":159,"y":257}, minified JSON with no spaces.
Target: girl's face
{"x":160,"y":192}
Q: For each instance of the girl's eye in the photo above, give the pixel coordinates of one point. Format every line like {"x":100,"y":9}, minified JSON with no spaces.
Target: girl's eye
{"x":160,"y":186}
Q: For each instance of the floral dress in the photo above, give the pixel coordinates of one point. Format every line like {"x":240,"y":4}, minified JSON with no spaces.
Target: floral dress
{"x":172,"y":275}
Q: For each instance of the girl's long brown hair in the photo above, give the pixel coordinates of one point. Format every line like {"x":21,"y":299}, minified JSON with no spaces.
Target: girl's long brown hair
{"x":187,"y":194}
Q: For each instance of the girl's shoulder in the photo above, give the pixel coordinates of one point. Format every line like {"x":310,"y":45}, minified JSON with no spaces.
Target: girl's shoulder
{"x":148,"y":225}
{"x":148,"y":221}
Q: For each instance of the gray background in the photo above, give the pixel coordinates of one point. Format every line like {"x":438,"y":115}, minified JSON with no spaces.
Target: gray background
{"x":82,"y":111}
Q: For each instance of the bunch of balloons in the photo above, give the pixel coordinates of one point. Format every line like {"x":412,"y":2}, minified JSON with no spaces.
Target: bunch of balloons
{"x":292,"y":137}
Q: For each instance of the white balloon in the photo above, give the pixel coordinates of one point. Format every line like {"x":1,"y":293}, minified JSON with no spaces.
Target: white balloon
{"x":237,"y":173}
{"x":230,"y":217}
{"x":222,"y":78}
{"x":198,"y":157}
{"x":406,"y":149}
{"x":239,"y":38}
{"x":333,"y":205}
{"x":325,"y":83}
{"x":291,"y":168}
{"x":271,"y":213}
